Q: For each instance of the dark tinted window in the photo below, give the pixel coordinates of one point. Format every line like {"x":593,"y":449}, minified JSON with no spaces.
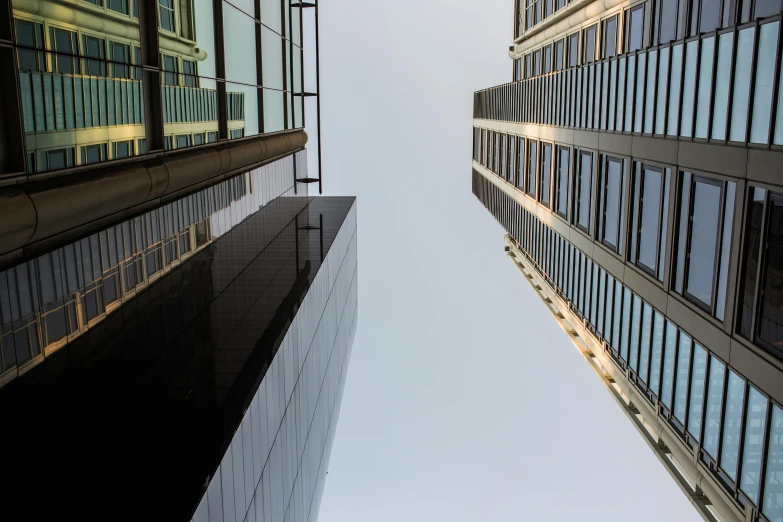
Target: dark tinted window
{"x":756,"y":203}
{"x":766,"y":8}
{"x":29,"y":34}
{"x":536,"y":63}
{"x":94,"y":48}
{"x":546,"y":170}
{"x":709,"y":15}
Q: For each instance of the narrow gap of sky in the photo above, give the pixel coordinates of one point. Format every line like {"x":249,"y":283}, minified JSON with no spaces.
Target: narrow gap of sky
{"x":464,"y":400}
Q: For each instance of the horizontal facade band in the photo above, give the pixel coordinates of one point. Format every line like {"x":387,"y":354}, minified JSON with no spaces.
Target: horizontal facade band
{"x":37,"y":216}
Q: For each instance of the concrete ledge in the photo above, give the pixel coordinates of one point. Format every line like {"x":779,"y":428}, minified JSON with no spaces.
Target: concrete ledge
{"x":36,"y":216}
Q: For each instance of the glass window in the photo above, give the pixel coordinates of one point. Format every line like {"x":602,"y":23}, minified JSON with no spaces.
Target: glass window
{"x":770,"y":330}
{"x":701,"y":208}
{"x":648,"y":210}
{"x":170,"y":70}
{"x":59,"y":159}
{"x":764,"y":85}
{"x":588,"y":44}
{"x":573,"y":50}
{"x":94,"y":48}
{"x":753,"y":446}
{"x":633,"y":343}
{"x":65,"y":42}
{"x":610,"y":37}
{"x":712,"y":417}
{"x":667,"y":23}
{"x":669,"y":353}
{"x":93,"y":153}
{"x":584,"y":180}
{"x":681,"y":381}
{"x":634,"y":28}
{"x":563,"y":167}
{"x":611,"y":201}
{"x":517,"y":69}
{"x":532,"y":148}
{"x":123,"y":149}
{"x":166,"y":14}
{"x":732,"y":419}
{"x":656,"y":353}
{"x":30,"y":35}
{"x":675,"y":77}
{"x":626,"y":324}
{"x":644,"y":342}
{"x":558,"y":53}
{"x":722,"y":82}
{"x":741,"y":93}
{"x":189,"y":73}
{"x":756,"y":206}
{"x":709,"y":16}
{"x":705,"y":86}
{"x":120,"y":56}
{"x":547,"y":60}
{"x":121,"y":6}
{"x":528,"y":66}
{"x":546,"y":172}
{"x":537,"y":63}
{"x":520,"y":163}
{"x":698,"y":374}
{"x":772,"y":504}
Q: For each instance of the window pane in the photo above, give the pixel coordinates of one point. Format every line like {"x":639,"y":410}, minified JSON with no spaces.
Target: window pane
{"x":612,"y":197}
{"x":751,"y":265}
{"x":644,"y":343}
{"x":712,"y":417}
{"x":705,"y":85}
{"x":681,"y":384}
{"x":626,"y":324}
{"x":649,"y":227}
{"x":546,"y":169}
{"x":753,"y":447}
{"x":710,"y":15}
{"x":589,"y":45}
{"x":668,"y":22}
{"x":765,"y":79}
{"x":610,"y":37}
{"x":667,"y":377}
{"x":741,"y":94}
{"x":573,"y":50}
{"x":531,"y":167}
{"x":732,"y":419}
{"x":723,"y":271}
{"x":656,"y":353}
{"x":770,"y":329}
{"x":585,"y":187}
{"x":562,"y":191}
{"x":722,"y":82}
{"x":675,"y":77}
{"x":703,"y":241}
{"x":633,"y":352}
{"x":663,"y":83}
{"x":772,"y":506}
{"x":635,"y":29}
{"x":698,"y":373}
{"x":689,"y":88}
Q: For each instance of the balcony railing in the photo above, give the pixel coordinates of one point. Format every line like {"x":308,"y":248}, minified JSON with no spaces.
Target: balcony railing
{"x":722,"y":88}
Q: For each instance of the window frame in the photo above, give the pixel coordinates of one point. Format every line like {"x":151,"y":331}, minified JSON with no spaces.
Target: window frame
{"x":604,"y":35}
{"x":540,"y":171}
{"x":637,"y":209}
{"x":557,"y":184}
{"x":572,"y":46}
{"x":603,"y":194}
{"x":627,"y":13}
{"x":587,"y":59}
{"x":531,"y":143}
{"x":576,"y":189}
{"x":711,"y":308}
{"x":561,"y":54}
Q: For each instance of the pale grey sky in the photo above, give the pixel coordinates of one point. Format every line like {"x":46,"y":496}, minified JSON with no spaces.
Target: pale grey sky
{"x":464,"y":400}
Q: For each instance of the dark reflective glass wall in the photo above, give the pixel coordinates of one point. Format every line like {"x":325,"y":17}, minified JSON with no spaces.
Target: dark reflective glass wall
{"x":49,"y":301}
{"x":211,"y":390}
{"x":83,"y":94}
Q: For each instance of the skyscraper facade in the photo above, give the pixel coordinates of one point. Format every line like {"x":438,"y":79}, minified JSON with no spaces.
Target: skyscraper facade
{"x":177,"y":305}
{"x":634,"y":161}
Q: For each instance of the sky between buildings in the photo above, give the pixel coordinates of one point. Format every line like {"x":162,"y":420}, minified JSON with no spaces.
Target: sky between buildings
{"x":464,"y":399}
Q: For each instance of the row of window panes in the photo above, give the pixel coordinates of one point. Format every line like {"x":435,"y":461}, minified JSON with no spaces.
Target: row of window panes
{"x":531,"y":12}
{"x":714,"y":88}
{"x":593,"y":192}
{"x":631,"y":31}
{"x":703,"y":399}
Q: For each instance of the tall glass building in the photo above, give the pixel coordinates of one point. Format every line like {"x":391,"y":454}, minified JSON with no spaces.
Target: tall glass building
{"x":177,"y":305}
{"x":634,"y":161}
